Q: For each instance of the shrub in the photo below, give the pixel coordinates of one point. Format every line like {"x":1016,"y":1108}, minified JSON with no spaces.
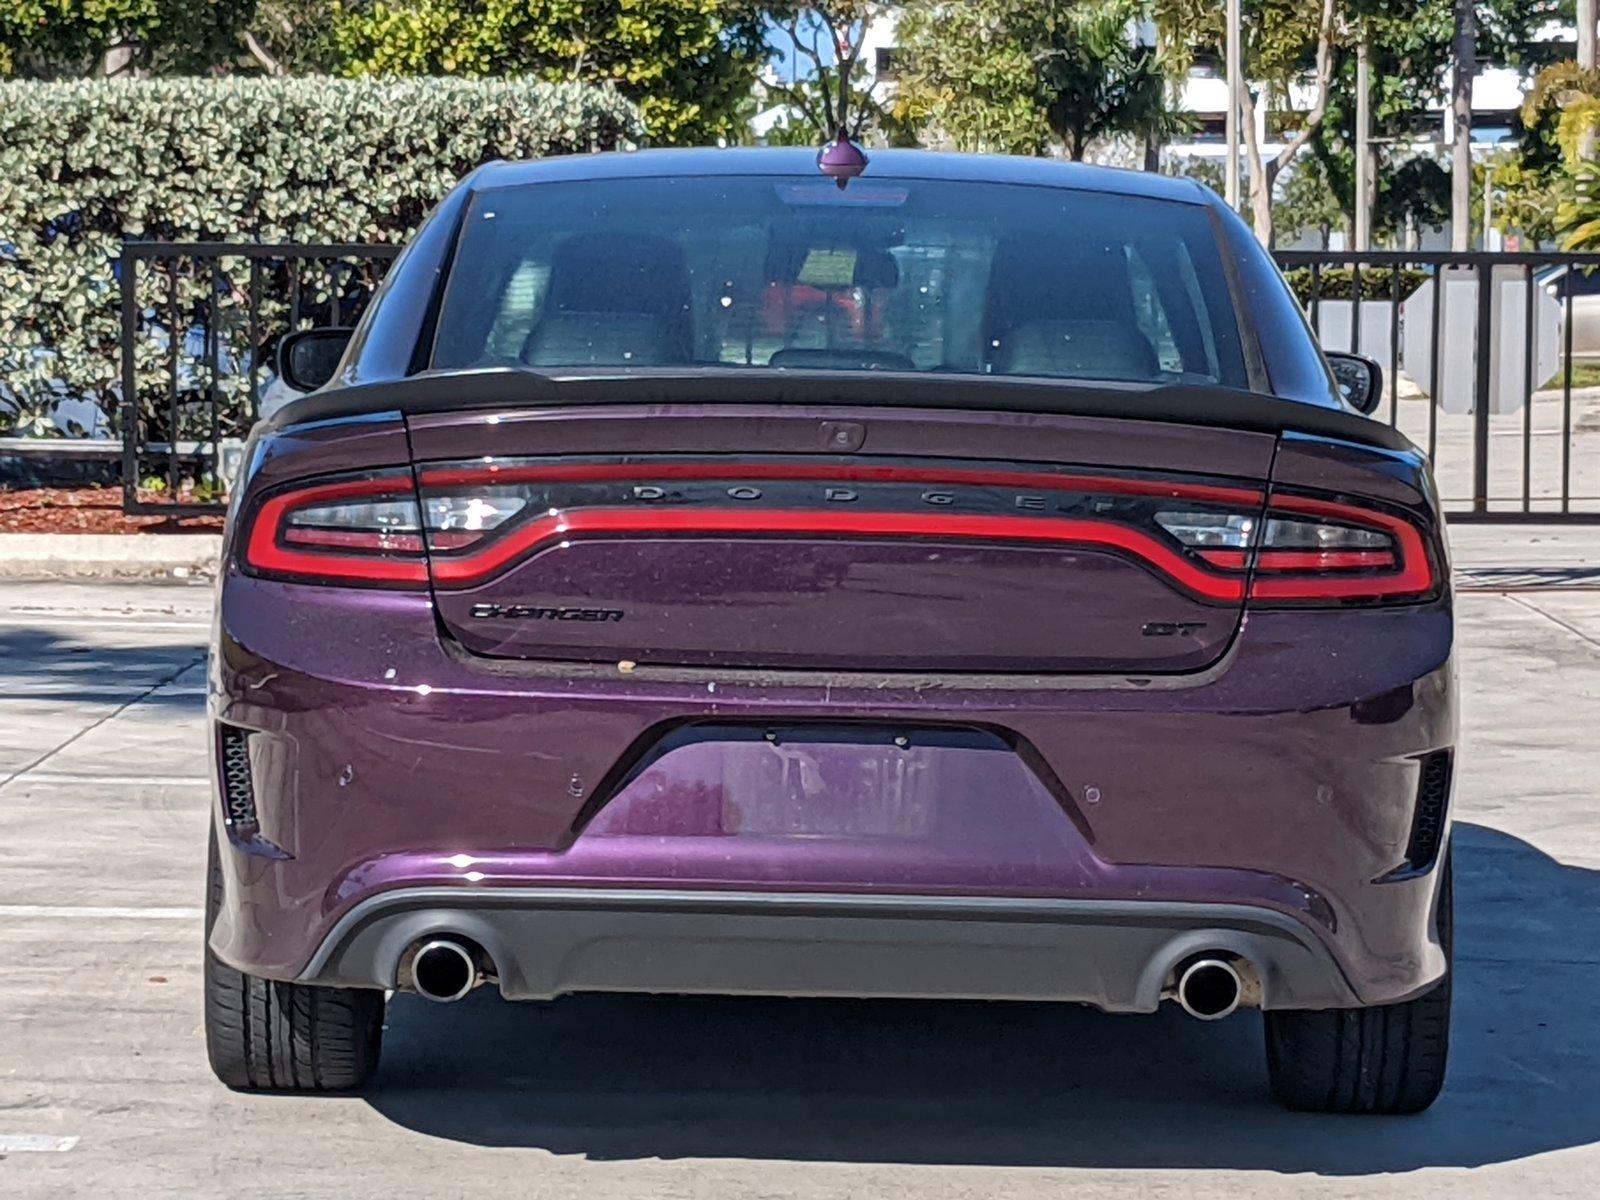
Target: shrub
{"x":86,"y":165}
{"x":1338,"y":283}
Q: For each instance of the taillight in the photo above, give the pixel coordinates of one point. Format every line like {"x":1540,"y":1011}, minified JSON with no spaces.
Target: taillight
{"x":351,"y":531}
{"x":1222,"y":544}
{"x":1306,"y":550}
{"x":1315,"y":550}
{"x":457,"y":520}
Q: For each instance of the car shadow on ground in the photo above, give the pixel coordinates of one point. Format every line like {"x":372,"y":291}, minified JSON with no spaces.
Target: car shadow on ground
{"x":44,"y":665}
{"x":625,"y":1078}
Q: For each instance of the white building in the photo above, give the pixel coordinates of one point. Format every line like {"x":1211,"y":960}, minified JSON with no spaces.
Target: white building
{"x":1497,"y":94}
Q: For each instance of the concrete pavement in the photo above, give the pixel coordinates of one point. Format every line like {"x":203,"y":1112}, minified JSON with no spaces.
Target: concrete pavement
{"x":104,"y":1089}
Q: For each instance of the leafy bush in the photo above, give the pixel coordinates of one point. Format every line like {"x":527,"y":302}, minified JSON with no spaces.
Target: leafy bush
{"x":84,"y":166}
{"x":1338,"y":283}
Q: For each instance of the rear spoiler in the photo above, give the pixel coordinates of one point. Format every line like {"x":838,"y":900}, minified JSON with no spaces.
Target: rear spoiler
{"x":512,"y":387}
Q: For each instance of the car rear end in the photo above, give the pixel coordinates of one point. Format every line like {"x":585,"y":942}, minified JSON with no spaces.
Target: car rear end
{"x":811,"y":682}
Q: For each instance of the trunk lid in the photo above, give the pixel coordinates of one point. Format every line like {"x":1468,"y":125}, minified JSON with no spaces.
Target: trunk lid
{"x":835,"y":539}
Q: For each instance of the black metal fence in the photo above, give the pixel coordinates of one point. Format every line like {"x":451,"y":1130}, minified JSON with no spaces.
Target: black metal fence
{"x":200,"y":326}
{"x":1491,"y":361}
{"x":1491,"y":364}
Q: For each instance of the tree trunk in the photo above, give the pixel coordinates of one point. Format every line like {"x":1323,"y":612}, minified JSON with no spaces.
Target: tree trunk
{"x":1153,"y":141}
{"x":259,"y":53}
{"x":1466,"y":66}
{"x":1261,"y":176}
{"x":1586,"y":60}
{"x":1264,"y":175}
{"x":1364,"y":188}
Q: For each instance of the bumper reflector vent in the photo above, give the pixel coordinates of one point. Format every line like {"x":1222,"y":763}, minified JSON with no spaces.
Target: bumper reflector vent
{"x":238,"y":789}
{"x":1427,"y":822}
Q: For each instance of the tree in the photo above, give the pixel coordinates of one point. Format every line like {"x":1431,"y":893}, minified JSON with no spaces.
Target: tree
{"x":1279,"y":37}
{"x":971,"y":76}
{"x":1464,"y":54}
{"x":1023,"y":75}
{"x":1564,"y":104}
{"x":293,"y":37}
{"x":829,"y":95}
{"x":1306,"y":202}
{"x":1296,"y":46}
{"x":1409,"y":51}
{"x":1563,"y":110}
{"x":54,"y":39}
{"x":687,"y":63}
{"x":1414,"y":50}
{"x":1100,"y":82}
{"x":1526,"y":198}
{"x":1414,"y":195}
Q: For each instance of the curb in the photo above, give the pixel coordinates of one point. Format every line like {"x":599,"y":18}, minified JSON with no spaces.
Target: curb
{"x":109,"y":557}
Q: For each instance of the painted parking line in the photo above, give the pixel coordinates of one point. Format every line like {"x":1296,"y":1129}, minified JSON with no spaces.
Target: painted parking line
{"x":35,"y":1143}
{"x":100,"y":912}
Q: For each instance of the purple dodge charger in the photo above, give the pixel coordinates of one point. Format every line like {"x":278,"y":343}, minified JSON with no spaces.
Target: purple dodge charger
{"x":963,"y":577}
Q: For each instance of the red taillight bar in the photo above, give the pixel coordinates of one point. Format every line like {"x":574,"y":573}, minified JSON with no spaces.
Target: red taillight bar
{"x":1415,"y":578}
{"x":1324,"y":560}
{"x":1301,"y":560}
{"x":264,"y":549}
{"x":274,"y":547}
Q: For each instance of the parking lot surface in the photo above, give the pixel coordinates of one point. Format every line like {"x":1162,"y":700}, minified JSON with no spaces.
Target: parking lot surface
{"x":104,"y":1090}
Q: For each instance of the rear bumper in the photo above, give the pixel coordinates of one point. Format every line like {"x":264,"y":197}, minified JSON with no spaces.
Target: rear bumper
{"x":1117,"y":956}
{"x":394,"y":777}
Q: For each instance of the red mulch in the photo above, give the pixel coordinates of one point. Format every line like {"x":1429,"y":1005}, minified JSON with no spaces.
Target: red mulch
{"x":86,"y":510}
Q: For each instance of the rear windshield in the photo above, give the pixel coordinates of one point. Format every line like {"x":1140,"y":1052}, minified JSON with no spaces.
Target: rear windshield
{"x":886,"y":275}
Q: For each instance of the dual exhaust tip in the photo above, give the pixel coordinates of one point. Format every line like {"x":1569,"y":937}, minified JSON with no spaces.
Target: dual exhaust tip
{"x":444,"y":970}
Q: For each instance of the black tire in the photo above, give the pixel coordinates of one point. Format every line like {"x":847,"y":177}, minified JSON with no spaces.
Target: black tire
{"x":262,"y":1035}
{"x":1388,"y":1059}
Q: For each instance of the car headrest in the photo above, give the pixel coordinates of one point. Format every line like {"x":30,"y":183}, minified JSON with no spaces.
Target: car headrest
{"x":1077,"y":349}
{"x":1052,"y":279}
{"x":614,"y":300}
{"x":619,"y":273}
{"x":603,"y":339}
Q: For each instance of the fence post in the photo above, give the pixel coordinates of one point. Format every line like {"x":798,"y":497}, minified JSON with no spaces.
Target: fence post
{"x":1480,"y":390}
{"x":127,"y":268}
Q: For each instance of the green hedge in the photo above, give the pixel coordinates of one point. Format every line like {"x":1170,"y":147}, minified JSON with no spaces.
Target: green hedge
{"x":85,"y":165}
{"x":1338,"y":283}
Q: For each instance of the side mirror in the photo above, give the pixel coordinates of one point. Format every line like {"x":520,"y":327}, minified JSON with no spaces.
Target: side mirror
{"x":308,"y":359}
{"x":1360,"y":380}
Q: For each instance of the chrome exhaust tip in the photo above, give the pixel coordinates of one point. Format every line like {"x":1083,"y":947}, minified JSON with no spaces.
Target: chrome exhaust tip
{"x":1210,"y":989}
{"x":443,"y":970}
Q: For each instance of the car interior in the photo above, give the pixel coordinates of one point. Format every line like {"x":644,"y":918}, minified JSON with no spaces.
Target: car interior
{"x":615,"y":299}
{"x":813,"y":287}
{"x":1078,"y":320}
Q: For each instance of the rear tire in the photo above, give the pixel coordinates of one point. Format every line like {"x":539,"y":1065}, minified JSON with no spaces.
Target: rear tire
{"x":263,"y":1035}
{"x":1387,"y":1059}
